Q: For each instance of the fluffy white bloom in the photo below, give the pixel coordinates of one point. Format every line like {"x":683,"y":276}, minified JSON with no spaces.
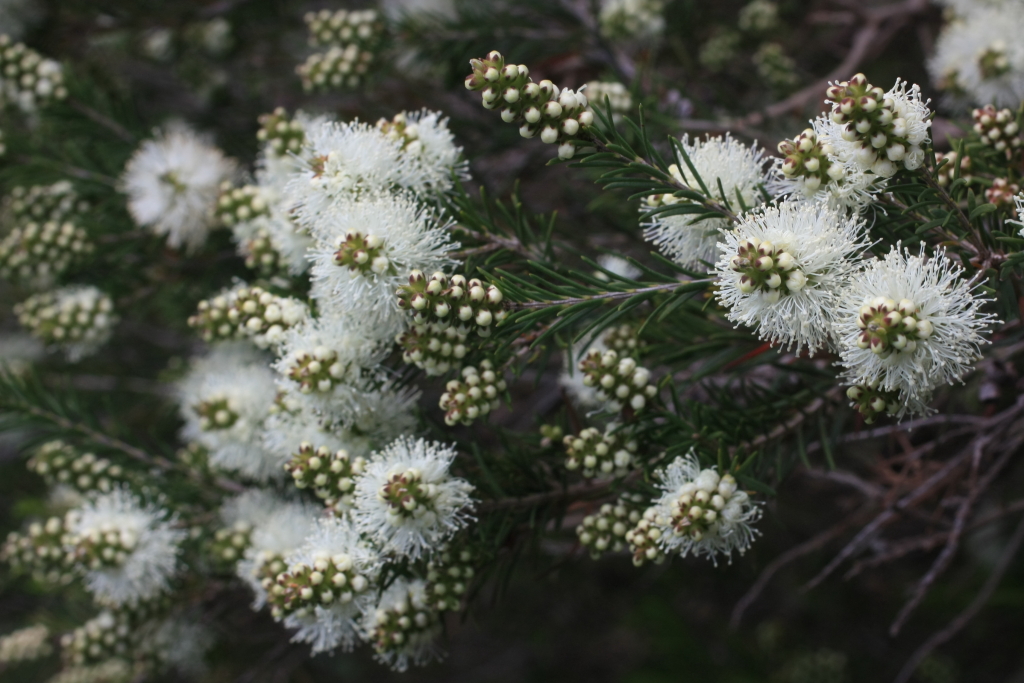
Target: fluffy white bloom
{"x":981,"y":55}
{"x":403,"y":627}
{"x":173,"y":182}
{"x":367,"y":248}
{"x":178,"y":643}
{"x":334,"y":549}
{"x":910,"y":323}
{"x":430,"y":146}
{"x":740,"y":170}
{"x":278,"y":528}
{"x":225,"y":399}
{"x":284,"y":431}
{"x":406,"y":499}
{"x":143,"y":547}
{"x":846,"y":185}
{"x":702,"y":513}
{"x":783,"y":270}
{"x":571,"y":378}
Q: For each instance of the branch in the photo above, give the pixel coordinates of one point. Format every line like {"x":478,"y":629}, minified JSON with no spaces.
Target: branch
{"x":586,"y":489}
{"x":105,"y":121}
{"x":629,"y":293}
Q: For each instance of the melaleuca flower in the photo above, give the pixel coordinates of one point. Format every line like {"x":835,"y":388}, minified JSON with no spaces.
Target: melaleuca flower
{"x":284,"y":431}
{"x":910,"y":323}
{"x":737,"y":168}
{"x":344,"y":160}
{"x":406,"y":499}
{"x":632,"y":19}
{"x":702,"y":513}
{"x":127,"y":550}
{"x":329,"y":365}
{"x":404,"y":627}
{"x":813,"y":169}
{"x":76,"y":320}
{"x":27,"y":79}
{"x":330,"y":581}
{"x":173,"y":182}
{"x":572,"y":379}
{"x":426,"y":140}
{"x":782,"y":271}
{"x":365,"y":251}
{"x":224,"y":400}
{"x":245,"y":312}
{"x":178,"y":643}
{"x":980,"y":57}
{"x":25,"y":645}
{"x":278,"y":528}
{"x":57,"y":203}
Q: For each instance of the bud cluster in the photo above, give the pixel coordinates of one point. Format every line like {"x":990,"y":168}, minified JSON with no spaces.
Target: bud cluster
{"x":407,"y":497}
{"x":342,"y":27}
{"x":890,"y":327}
{"x":228,"y":544}
{"x":240,"y":204}
{"x":105,"y":636}
{"x":609,"y":93}
{"x":280,"y":135}
{"x":619,"y":381}
{"x":557,"y":116}
{"x":102,"y":547}
{"x":260,"y":254}
{"x":40,"y":552}
{"x":448,"y":575}
{"x":1002,"y":192}
{"x":606,"y":529}
{"x":768,"y":269}
{"x":473,"y":396}
{"x":331,"y":475}
{"x":77,"y":319}
{"x":44,"y":203}
{"x":336,"y":68}
{"x":36,"y":253}
{"x":399,"y":129}
{"x":452,"y":302}
{"x":806,"y":158}
{"x":317,"y":370}
{"x":408,"y":620}
{"x":27,"y":80}
{"x":870,"y":118}
{"x":622,"y":339}
{"x":997,"y":129}
{"x":433,"y":347}
{"x":700,"y":504}
{"x":643,"y":540}
{"x":597,"y":453}
{"x":303,"y":587}
{"x":247,"y":312}
{"x":870,"y":401}
{"x":269,"y":566}
{"x":363,"y":253}
{"x":352,"y":38}
{"x":216,"y":413}
{"x":944,"y":176}
{"x":59,"y":463}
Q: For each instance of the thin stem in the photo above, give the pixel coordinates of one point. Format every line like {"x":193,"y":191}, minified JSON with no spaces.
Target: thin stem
{"x":609,"y":295}
{"x":102,"y":119}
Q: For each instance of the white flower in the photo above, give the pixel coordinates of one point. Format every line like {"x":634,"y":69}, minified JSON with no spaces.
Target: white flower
{"x":406,"y":499}
{"x":701,"y":513}
{"x":841,"y":182}
{"x":782,"y":271}
{"x":284,"y":431}
{"x":173,"y":182}
{"x":77,"y":319}
{"x":279,"y":528}
{"x":910,"y":323}
{"x":224,"y":400}
{"x":342,"y":572}
{"x":740,"y":170}
{"x":981,"y":55}
{"x":128,"y":550}
{"x":367,"y":248}
{"x":571,"y":377}
{"x":431,"y":147}
{"x":403,"y":627}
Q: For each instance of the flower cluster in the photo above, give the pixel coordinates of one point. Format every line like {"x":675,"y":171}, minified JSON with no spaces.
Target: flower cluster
{"x":77,"y":319}
{"x":620,"y":382}
{"x":240,"y":204}
{"x":279,"y":134}
{"x":606,"y":529}
{"x":448,"y":575}
{"x":60,"y":463}
{"x":248,"y":312}
{"x":352,"y":39}
{"x":596,"y":454}
{"x":329,"y":474}
{"x":56,"y":203}
{"x":997,"y":129}
{"x":36,"y":254}
{"x":40,"y":552}
{"x":452,"y":301}
{"x":560,"y":117}
{"x":473,"y":396}
{"x":954,"y":165}
{"x":27,"y":80}
{"x":404,"y":626}
{"x":433,"y":347}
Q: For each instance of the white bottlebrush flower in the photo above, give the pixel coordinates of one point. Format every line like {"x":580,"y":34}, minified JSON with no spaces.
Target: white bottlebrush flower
{"x":980,"y":55}
{"x":225,"y":399}
{"x":127,"y":550}
{"x":367,"y":248}
{"x":910,"y":323}
{"x":284,"y":431}
{"x":329,"y":364}
{"x":783,"y":270}
{"x":278,"y":529}
{"x":331,"y":580}
{"x":77,"y":319}
{"x":406,"y":499}
{"x":430,"y":147}
{"x":702,"y":513}
{"x":403,"y":627}
{"x":835,"y":177}
{"x":740,"y":170}
{"x":173,"y":182}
